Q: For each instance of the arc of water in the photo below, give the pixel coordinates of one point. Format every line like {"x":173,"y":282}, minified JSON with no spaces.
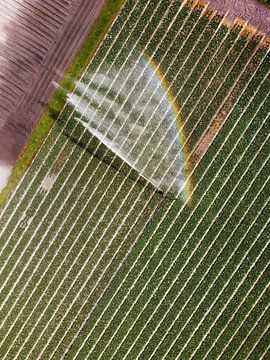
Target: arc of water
{"x":185,"y":102}
{"x":142,"y":73}
{"x":136,"y":83}
{"x":60,"y":133}
{"x":148,"y":102}
{"x":163,"y":277}
{"x":231,"y":318}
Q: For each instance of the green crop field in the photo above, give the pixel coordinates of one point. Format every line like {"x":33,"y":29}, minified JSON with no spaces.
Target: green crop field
{"x":98,"y":264}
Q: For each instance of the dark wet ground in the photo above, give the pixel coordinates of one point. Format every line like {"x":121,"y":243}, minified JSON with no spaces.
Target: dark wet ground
{"x":251,"y":11}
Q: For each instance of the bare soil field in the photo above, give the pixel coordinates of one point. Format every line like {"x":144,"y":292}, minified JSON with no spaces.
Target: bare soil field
{"x":40,"y":39}
{"x":251,"y":11}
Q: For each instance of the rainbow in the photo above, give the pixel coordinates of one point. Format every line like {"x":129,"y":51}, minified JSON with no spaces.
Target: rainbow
{"x":179,"y":122}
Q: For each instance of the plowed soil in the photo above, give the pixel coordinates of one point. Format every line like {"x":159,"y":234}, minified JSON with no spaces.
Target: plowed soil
{"x":41,"y":38}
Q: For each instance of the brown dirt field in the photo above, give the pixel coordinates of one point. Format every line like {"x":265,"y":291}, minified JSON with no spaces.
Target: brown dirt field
{"x":42,"y":38}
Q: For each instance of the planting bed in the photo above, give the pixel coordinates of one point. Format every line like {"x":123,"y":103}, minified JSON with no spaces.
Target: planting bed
{"x":96,"y":263}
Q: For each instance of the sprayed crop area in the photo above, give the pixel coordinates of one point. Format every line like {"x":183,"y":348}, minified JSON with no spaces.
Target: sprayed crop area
{"x":99,"y":262}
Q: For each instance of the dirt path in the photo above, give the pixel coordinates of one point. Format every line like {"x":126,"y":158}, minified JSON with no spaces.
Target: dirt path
{"x":252,"y":11}
{"x":41,"y":38}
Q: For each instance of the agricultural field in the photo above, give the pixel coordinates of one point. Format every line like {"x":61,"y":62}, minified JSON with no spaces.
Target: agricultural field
{"x":96,"y":260}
